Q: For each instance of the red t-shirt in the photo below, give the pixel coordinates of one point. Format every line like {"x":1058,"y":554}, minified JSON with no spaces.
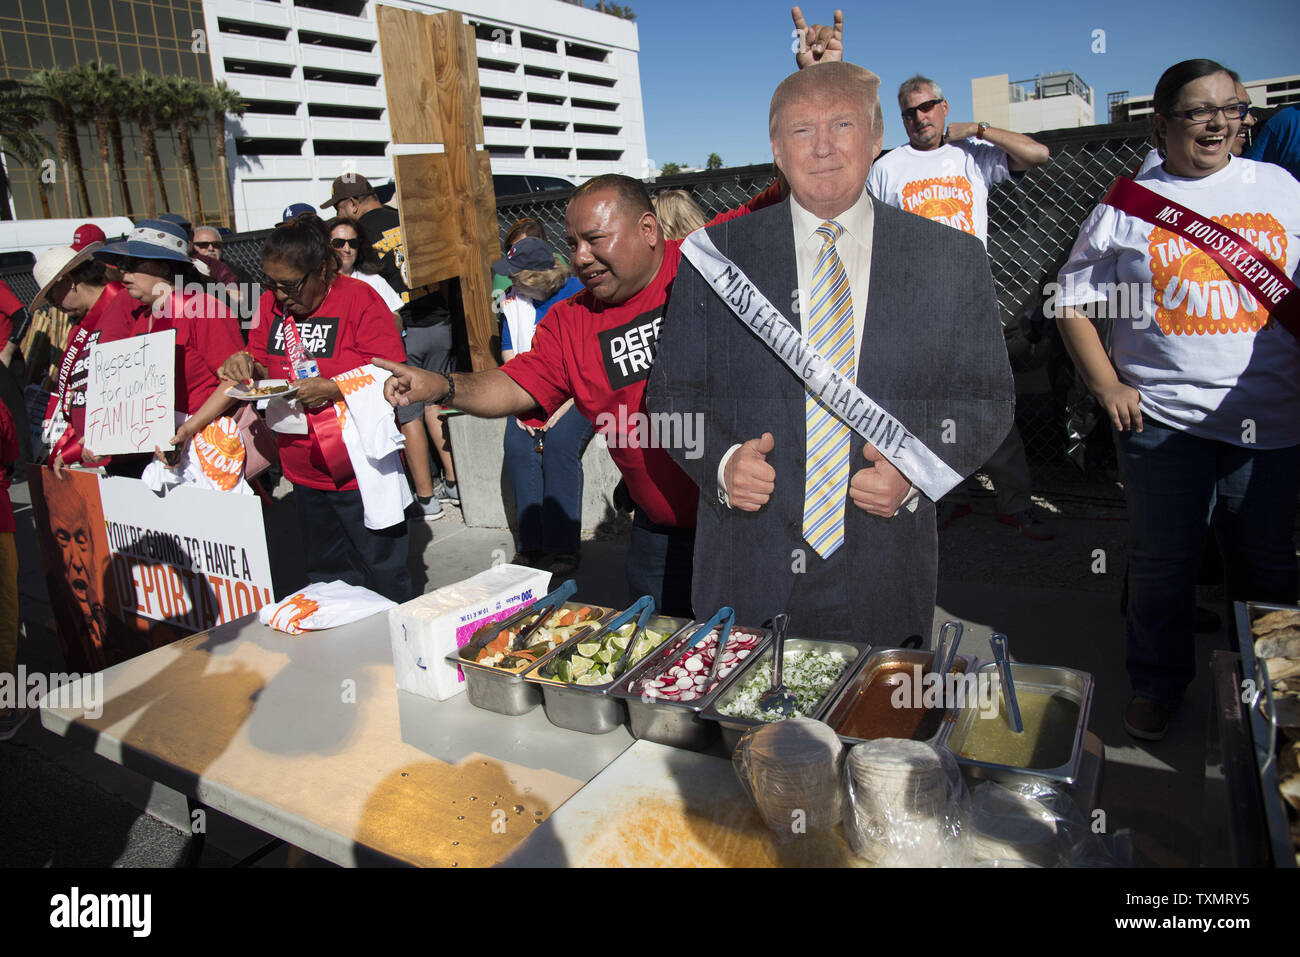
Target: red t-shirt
{"x":207,"y":334}
{"x":109,"y":319}
{"x":9,"y":304}
{"x":8,"y":455}
{"x":600,"y":353}
{"x":350,"y":327}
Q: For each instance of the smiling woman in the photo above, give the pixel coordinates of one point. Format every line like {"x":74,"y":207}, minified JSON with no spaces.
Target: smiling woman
{"x":1201,"y":383}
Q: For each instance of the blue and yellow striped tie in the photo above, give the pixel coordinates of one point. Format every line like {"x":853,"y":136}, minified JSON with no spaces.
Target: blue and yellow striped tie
{"x":830,"y":333}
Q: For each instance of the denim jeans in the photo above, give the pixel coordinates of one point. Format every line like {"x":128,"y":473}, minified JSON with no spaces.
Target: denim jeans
{"x":548,"y":487}
{"x":338,"y":546}
{"x":660,"y":563}
{"x":1172,"y":480}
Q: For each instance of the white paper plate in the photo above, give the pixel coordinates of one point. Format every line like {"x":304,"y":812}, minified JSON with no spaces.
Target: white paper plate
{"x":246,"y":394}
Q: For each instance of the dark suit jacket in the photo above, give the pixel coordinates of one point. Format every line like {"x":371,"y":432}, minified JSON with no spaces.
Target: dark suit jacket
{"x":932,"y":354}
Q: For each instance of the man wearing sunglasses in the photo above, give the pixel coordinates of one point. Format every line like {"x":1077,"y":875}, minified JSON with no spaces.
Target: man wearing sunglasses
{"x":944,"y":173}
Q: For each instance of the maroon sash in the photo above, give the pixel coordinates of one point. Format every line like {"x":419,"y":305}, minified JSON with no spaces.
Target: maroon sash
{"x":1238,"y":258}
{"x":323,"y":423}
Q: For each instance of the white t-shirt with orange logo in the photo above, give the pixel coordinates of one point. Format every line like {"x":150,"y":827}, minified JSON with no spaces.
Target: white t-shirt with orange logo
{"x":949,"y":185}
{"x":1198,"y":346}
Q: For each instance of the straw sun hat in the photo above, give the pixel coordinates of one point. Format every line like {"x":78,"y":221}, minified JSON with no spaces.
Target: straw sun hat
{"x":56,"y":263}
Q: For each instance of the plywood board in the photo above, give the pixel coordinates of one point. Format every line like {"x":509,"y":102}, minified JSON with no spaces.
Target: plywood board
{"x":406,"y":41}
{"x":425,"y":203}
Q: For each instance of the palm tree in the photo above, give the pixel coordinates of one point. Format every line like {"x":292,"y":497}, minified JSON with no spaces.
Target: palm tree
{"x":118,"y":99}
{"x":145,"y":98}
{"x":189,"y":109}
{"x":21,"y":113}
{"x":223,"y":101}
{"x":59,"y":90}
{"x":94,"y":94}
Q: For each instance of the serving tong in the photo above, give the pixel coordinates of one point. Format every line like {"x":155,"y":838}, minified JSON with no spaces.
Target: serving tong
{"x":547,"y":605}
{"x":1003,"y":659}
{"x":778,"y":697}
{"x":641,"y":609}
{"x":724,"y":616}
{"x":945,"y":654}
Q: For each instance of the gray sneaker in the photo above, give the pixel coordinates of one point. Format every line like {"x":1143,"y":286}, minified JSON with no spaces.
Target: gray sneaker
{"x":431,"y":510}
{"x":447,"y":492}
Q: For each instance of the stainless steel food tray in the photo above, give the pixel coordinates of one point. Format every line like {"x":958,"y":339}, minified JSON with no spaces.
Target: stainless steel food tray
{"x":502,"y":690}
{"x":676,"y":724}
{"x":1264,"y":732}
{"x":1075,"y":685}
{"x":591,"y":708}
{"x":733,"y":727}
{"x":867,"y":667}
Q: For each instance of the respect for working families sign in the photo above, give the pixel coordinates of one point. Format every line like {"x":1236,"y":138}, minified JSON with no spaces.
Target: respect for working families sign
{"x":128,"y":570}
{"x":130,"y":394}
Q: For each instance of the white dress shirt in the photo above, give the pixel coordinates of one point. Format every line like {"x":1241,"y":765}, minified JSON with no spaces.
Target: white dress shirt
{"x":854,"y":251}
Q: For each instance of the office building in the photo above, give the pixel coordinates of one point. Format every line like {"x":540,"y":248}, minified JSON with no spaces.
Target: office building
{"x":1052,"y":101}
{"x":560,"y":86}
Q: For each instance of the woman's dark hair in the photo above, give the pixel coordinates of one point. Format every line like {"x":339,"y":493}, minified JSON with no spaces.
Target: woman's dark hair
{"x":1171,"y":83}
{"x":525,"y":227}
{"x":367,"y":258}
{"x":173,"y":269}
{"x":1177,"y":77}
{"x":303,"y":243}
{"x":92,"y":272}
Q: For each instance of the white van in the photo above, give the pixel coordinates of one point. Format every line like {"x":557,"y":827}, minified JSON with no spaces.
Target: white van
{"x":37,"y":235}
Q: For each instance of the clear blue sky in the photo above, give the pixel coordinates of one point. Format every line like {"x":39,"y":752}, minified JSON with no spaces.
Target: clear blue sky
{"x":708,"y":69}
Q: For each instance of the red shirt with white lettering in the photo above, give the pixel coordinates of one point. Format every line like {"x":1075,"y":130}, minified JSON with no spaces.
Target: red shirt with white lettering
{"x":350,"y":326}
{"x":207,"y":334}
{"x":600,"y":353}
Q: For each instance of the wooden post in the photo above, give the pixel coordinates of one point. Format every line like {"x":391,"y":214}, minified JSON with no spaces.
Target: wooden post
{"x":444,"y":180}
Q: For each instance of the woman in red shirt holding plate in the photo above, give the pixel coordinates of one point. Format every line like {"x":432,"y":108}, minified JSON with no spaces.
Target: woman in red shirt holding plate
{"x":312,"y":325}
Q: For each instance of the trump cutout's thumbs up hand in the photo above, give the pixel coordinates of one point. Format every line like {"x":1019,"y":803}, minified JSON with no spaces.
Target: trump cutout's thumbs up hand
{"x":879,"y":488}
{"x":748,"y":477}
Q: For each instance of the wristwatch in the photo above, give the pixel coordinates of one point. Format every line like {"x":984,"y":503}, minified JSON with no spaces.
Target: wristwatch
{"x":982,"y":129}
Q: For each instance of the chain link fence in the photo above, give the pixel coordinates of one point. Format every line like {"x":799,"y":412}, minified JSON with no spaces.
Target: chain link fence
{"x":1033,"y":222}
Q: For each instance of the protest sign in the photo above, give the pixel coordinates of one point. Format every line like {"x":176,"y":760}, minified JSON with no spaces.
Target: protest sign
{"x":129,"y":570}
{"x":130,"y":394}
{"x":193,"y":558}
{"x":75,"y":557}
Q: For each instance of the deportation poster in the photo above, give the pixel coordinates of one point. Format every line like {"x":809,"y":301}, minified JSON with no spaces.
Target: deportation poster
{"x":129,"y":570}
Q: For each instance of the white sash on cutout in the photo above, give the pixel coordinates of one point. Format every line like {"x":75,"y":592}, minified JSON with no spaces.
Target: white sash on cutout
{"x":931,"y":474}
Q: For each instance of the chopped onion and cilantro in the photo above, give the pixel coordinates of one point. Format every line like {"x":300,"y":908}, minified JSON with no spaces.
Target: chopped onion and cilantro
{"x":808,"y":674}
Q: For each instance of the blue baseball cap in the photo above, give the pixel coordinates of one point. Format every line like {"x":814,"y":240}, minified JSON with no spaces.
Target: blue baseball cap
{"x":297,"y":209}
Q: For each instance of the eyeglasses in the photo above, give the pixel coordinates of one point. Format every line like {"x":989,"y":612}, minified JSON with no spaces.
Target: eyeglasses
{"x":926,"y":107}
{"x":286,"y":288}
{"x":201,"y":244}
{"x":339,"y":243}
{"x":1203,"y":114}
